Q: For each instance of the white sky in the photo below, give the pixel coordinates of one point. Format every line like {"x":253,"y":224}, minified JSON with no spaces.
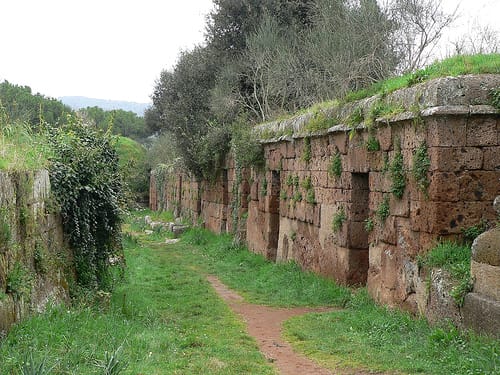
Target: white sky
{"x":116,"y":49}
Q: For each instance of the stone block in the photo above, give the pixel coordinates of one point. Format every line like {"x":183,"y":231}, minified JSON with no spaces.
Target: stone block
{"x":446,"y":131}
{"x":412,"y":136}
{"x":486,"y":248}
{"x":400,"y":207}
{"x":319,"y":147}
{"x":486,"y":279}
{"x":338,"y":142}
{"x":451,"y":159}
{"x":491,"y":158}
{"x":380,"y":182}
{"x":385,"y":137}
{"x":482,"y":131}
{"x":290,"y":150}
{"x":482,"y":314}
{"x":408,"y":241}
{"x":357,"y":160}
{"x":358,"y":211}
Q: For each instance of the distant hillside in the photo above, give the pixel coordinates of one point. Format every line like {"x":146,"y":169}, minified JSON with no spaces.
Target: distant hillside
{"x":78,"y":102}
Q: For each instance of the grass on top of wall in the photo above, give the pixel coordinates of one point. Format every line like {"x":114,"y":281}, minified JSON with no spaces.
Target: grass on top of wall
{"x":21,"y":148}
{"x":452,"y":66}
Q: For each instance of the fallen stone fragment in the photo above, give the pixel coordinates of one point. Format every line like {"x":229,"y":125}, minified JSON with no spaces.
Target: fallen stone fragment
{"x":169,"y":241}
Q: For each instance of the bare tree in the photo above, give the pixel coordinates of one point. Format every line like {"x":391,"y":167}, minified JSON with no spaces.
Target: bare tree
{"x":478,"y":39}
{"x":419,"y":26}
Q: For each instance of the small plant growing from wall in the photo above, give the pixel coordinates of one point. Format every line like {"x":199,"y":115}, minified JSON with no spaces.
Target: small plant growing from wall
{"x":5,"y":234}
{"x":495,"y":98}
{"x":19,"y":282}
{"x":263,"y":188}
{"x":398,"y":175}
{"x":383,"y":209}
{"x":335,"y":167}
{"x":297,"y":196}
{"x":306,"y":183}
{"x":369,"y":224}
{"x":320,"y":121}
{"x":306,"y":153}
{"x":372,"y":143}
{"x":338,"y":219}
{"x":289,"y":180}
{"x":421,"y":164}
{"x":310,"y":196}
{"x":283,"y":195}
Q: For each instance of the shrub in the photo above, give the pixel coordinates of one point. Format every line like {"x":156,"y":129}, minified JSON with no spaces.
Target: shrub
{"x":87,"y":185}
{"x":338,"y":219}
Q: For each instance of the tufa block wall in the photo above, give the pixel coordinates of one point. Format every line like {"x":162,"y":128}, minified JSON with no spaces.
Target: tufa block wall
{"x":358,"y":201}
{"x":35,"y":261}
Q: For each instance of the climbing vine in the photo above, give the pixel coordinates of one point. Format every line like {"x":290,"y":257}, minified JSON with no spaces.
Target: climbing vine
{"x":421,"y":164}
{"x":87,"y":185}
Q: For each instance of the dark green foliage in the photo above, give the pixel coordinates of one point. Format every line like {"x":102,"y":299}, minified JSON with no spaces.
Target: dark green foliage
{"x":372,"y":143}
{"x":335,"y":167}
{"x":263,"y":188}
{"x":20,"y":104}
{"x":469,"y":234}
{"x":125,"y":123}
{"x":369,"y":224}
{"x":338,"y":219}
{"x":306,"y":183}
{"x":19,"y":282}
{"x":306,"y":152}
{"x":383,"y":209}
{"x":5,"y":233}
{"x":310,"y":196}
{"x":87,"y":185}
{"x":247,"y":151}
{"x":355,"y":118}
{"x":421,"y":164}
{"x":398,"y":175}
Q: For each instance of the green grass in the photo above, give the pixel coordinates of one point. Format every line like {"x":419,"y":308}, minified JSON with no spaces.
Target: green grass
{"x":165,"y":317}
{"x":375,"y":338}
{"x":21,"y":148}
{"x":261,"y":281}
{"x":453,"y":66}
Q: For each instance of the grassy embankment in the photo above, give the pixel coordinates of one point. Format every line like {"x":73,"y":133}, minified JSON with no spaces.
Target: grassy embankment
{"x":165,"y":319}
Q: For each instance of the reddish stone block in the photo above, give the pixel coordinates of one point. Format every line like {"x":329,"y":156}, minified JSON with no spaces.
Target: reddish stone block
{"x":380,"y":181}
{"x":491,"y":161}
{"x":358,"y":211}
{"x":479,"y":185}
{"x":338,"y":143}
{"x":319,"y":147}
{"x":482,"y":131}
{"x":413,"y":136}
{"x":376,"y":160}
{"x":384,"y":134}
{"x":290,"y":150}
{"x":400,"y":207}
{"x":446,"y":131}
{"x":319,"y":179}
{"x":443,"y":187}
{"x":408,"y":241}
{"x":455,"y":159}
{"x":357,"y":159}
{"x":387,"y":231}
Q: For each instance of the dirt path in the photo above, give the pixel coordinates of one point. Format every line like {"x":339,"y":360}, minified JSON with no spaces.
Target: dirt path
{"x":264,"y":323}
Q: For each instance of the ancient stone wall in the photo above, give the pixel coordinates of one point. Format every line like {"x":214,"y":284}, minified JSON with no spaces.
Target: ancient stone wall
{"x":34,"y":259}
{"x":359,"y":200}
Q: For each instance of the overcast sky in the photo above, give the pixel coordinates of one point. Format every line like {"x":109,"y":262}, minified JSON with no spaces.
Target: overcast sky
{"x":116,"y":49}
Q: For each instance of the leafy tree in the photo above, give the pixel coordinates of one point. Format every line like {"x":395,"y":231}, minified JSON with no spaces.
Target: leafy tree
{"x":20,"y":104}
